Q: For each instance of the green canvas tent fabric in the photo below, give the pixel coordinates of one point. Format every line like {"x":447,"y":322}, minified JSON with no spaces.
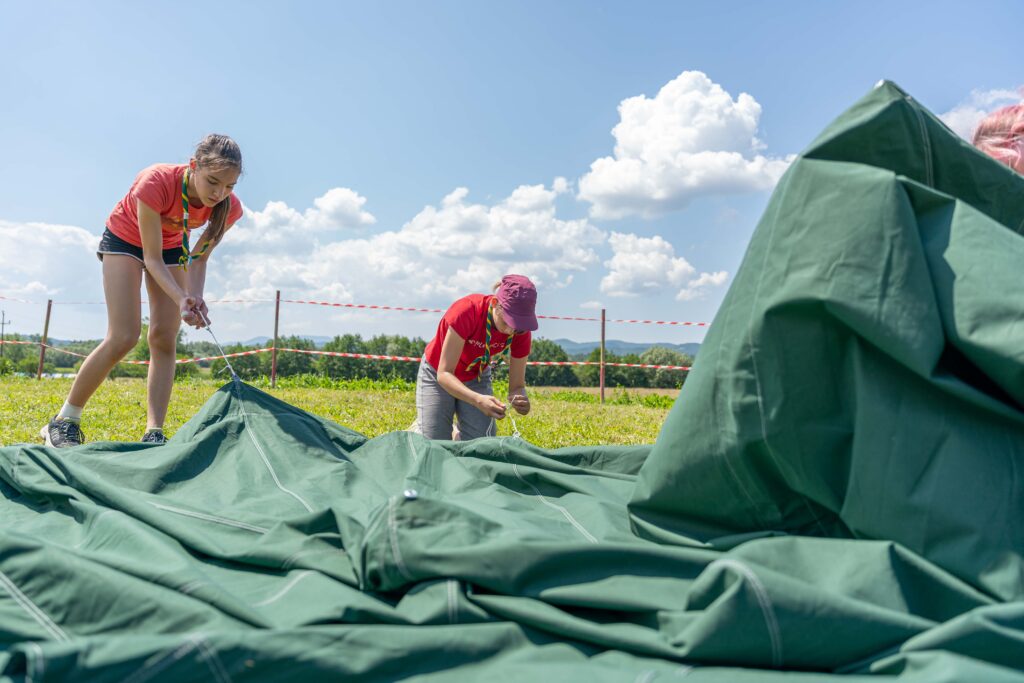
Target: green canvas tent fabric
{"x":865,"y":374}
{"x":835,"y":496}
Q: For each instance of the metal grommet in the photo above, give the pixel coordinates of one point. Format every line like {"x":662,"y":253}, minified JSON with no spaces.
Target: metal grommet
{"x":410,"y":494}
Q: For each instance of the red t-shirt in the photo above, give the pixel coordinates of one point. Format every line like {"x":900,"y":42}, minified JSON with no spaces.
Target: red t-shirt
{"x":468,"y":317}
{"x":159,"y":187}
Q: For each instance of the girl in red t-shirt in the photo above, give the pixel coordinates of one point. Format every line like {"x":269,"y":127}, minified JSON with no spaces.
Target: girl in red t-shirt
{"x":146,"y":237}
{"x":455,"y":374}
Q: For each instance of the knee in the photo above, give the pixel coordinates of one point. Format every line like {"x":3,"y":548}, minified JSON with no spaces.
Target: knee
{"x":434,"y":426}
{"x":121,"y":343}
{"x":163,"y":338}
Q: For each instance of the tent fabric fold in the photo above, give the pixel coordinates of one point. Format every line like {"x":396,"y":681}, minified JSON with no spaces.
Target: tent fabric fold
{"x":835,"y":496}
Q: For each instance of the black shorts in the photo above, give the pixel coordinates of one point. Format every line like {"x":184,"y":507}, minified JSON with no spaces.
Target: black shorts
{"x":112,"y":244}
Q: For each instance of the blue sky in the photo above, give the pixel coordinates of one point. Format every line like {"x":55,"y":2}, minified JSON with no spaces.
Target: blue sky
{"x":404,"y":153}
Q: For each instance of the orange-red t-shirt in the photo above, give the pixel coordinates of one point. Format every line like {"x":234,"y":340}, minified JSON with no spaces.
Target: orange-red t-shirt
{"x":468,"y":317}
{"x":159,"y":187}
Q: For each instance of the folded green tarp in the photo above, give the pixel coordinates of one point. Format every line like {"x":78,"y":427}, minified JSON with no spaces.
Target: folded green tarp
{"x":836,"y":493}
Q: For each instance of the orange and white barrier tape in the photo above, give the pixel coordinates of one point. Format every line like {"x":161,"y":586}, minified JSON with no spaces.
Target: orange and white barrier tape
{"x":658,"y":322}
{"x":343,"y":354}
{"x":366,"y":306}
{"x":364,"y":356}
{"x":380,"y":307}
{"x":179,"y":361}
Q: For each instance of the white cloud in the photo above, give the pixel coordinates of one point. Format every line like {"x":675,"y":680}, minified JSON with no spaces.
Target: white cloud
{"x":649,"y":265}
{"x":441,"y":253}
{"x":965,"y":117}
{"x":50,"y":261}
{"x":592,"y":305}
{"x":279,"y":227}
{"x":698,"y":287}
{"x":691,"y":139}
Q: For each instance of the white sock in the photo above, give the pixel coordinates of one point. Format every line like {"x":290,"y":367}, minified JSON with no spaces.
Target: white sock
{"x":70,"y":412}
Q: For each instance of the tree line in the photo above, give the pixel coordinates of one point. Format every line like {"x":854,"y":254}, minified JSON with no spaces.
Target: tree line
{"x":25,"y":359}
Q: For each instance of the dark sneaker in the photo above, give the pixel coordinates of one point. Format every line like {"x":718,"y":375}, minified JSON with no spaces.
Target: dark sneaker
{"x":62,"y":433}
{"x":154,"y":437}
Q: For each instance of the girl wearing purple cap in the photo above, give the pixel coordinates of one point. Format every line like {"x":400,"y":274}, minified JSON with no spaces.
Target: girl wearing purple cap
{"x":455,"y":374}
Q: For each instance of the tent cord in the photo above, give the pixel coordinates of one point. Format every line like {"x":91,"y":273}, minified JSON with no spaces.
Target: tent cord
{"x":223,"y":355}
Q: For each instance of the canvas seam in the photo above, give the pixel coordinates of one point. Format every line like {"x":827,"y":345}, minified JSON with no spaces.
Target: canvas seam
{"x":764,"y":601}
{"x":565,"y":513}
{"x":209,"y":656}
{"x":211,"y":518}
{"x":281,"y":593}
{"x":929,"y":172}
{"x":149,"y":670}
{"x":259,"y":449}
{"x":393,"y":533}
{"x":34,"y":610}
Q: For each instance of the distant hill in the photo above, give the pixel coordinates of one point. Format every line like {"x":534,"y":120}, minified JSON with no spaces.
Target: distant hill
{"x":621,"y":348}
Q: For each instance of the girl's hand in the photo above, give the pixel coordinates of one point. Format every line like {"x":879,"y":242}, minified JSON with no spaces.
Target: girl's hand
{"x":521,"y":402}
{"x":202,"y":312}
{"x":491,"y":407}
{"x":187,"y":306}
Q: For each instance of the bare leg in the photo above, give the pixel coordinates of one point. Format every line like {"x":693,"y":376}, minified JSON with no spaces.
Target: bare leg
{"x":164,"y":322}
{"x":122,"y":278}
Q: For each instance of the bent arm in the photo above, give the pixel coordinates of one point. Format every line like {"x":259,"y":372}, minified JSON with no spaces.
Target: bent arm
{"x":451,"y":351}
{"x":152,"y":253}
{"x":197,"y":275}
{"x":517,"y":385}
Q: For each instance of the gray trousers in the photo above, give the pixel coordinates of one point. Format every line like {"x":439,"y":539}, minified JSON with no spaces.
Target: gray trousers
{"x":436,"y":408}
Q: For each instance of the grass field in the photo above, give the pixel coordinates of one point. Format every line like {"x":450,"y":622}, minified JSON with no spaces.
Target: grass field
{"x":117,"y":412}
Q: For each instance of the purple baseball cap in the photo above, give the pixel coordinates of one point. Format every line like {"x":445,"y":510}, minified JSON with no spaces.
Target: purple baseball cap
{"x":517,"y":297}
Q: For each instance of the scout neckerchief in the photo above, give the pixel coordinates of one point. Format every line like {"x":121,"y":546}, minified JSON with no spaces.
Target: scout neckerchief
{"x":185,"y":260}
{"x":483,"y":360}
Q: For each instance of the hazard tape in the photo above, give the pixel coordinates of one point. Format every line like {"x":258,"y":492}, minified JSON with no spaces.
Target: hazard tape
{"x":178,"y":361}
{"x":336,"y":304}
{"x":343,"y":354}
{"x":659,"y":322}
{"x":380,"y":307}
{"x":145,"y":301}
{"x":366,"y":306}
{"x":364,"y":356}
{"x":619,"y":365}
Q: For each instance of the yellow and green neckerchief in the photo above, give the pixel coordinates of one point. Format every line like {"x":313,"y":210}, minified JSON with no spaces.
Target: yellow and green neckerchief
{"x":483,"y":360}
{"x":185,"y":260}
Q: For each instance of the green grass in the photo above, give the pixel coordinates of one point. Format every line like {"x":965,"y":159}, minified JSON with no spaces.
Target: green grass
{"x":117,"y":412}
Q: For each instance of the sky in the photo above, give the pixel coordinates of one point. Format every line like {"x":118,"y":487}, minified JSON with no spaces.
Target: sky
{"x":407,"y":153}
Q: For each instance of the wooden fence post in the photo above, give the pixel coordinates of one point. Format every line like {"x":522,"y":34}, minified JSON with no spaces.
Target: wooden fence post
{"x":602,"y":355}
{"x":273,"y":353}
{"x":46,"y":332}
